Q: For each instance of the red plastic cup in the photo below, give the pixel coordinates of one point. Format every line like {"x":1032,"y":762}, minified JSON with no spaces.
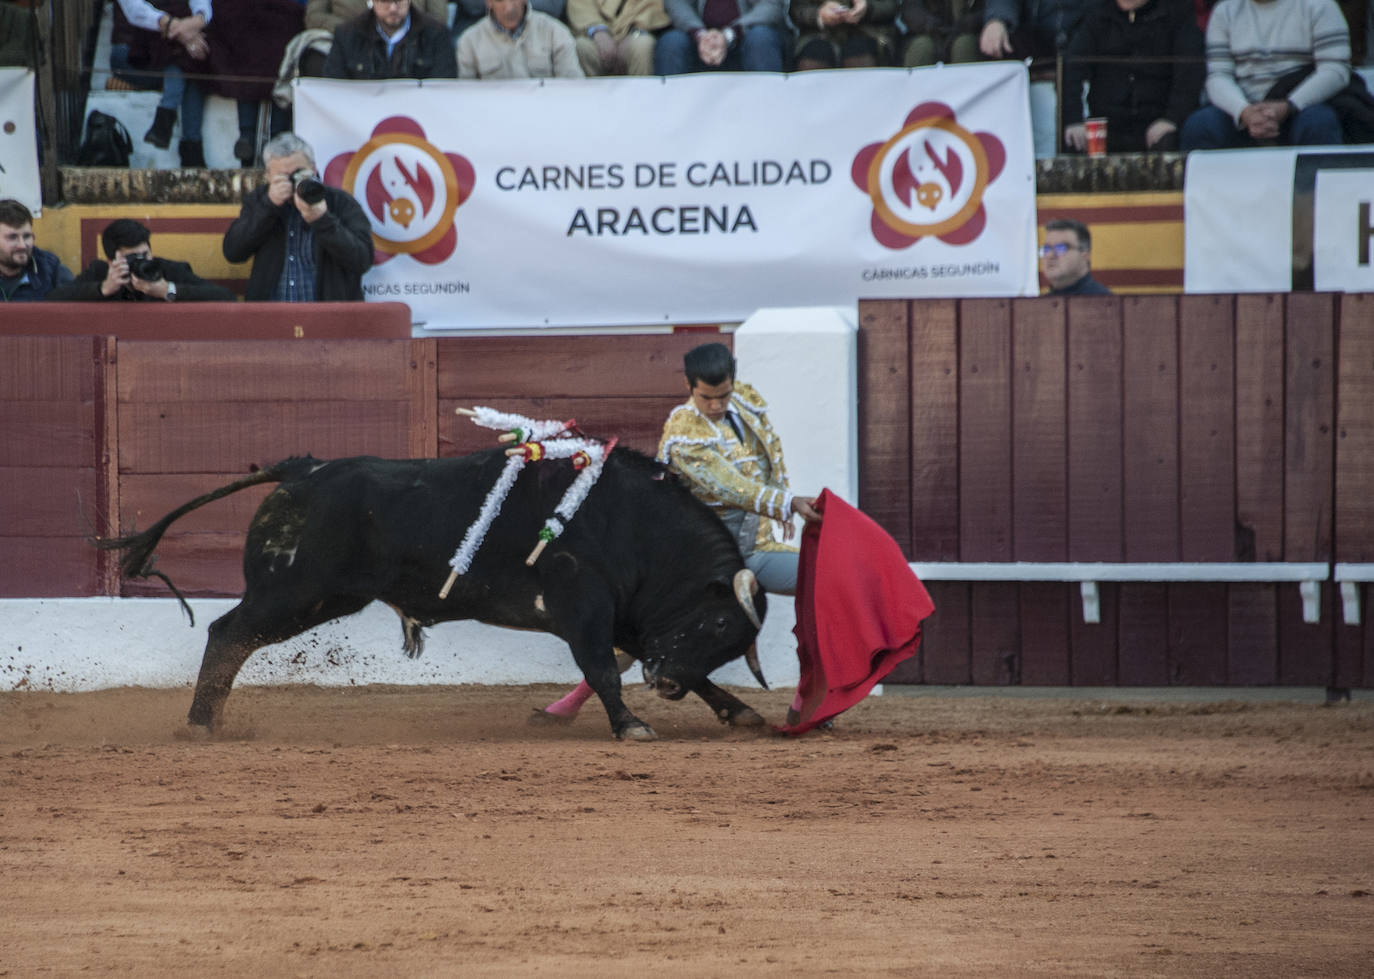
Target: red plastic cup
{"x":1097,"y":136}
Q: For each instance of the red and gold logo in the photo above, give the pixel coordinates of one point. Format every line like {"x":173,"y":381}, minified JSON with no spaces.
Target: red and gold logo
{"x":928,"y":180}
{"x":410,"y":190}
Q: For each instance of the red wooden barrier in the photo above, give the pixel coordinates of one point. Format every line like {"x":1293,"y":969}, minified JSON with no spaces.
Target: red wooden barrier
{"x":1140,"y":429}
{"x":208,"y":321}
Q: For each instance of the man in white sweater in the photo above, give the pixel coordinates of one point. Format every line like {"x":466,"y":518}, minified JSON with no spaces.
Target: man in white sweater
{"x":1256,"y":46}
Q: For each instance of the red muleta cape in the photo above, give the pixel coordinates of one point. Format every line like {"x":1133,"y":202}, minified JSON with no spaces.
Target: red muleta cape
{"x":859,"y":611}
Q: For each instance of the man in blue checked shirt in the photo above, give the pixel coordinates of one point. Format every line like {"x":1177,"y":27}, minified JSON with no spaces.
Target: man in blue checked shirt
{"x":308,"y":242}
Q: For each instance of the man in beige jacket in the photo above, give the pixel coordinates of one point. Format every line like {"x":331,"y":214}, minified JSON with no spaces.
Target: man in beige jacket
{"x":513,"y":41}
{"x":614,"y":37}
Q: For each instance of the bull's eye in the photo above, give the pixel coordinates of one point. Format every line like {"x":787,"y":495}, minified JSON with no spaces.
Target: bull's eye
{"x":722,"y":624}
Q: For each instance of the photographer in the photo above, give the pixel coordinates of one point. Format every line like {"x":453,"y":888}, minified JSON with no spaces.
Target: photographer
{"x":132,"y":273}
{"x":308,"y":242}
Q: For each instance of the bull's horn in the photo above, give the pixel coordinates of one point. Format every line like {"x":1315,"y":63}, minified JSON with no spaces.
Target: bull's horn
{"x":746,"y":585}
{"x":751,"y":656}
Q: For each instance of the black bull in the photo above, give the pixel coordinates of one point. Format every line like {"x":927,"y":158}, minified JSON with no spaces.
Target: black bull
{"x":642,"y":566}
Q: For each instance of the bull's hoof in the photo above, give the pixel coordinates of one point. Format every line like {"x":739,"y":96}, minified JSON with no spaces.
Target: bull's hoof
{"x":748,"y":717}
{"x":544,"y":718}
{"x":636,"y":732}
{"x":193,"y":732}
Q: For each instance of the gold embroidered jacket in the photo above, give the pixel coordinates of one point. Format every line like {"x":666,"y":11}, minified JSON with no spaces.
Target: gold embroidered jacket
{"x":726,"y":472}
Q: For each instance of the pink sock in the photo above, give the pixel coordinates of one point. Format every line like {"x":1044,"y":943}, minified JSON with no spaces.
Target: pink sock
{"x":571,"y":702}
{"x":797,"y":701}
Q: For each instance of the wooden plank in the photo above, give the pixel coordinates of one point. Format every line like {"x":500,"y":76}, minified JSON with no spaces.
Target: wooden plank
{"x":934,"y":368}
{"x":483,"y":370}
{"x":1349,"y":647}
{"x":637,"y":422}
{"x":1306,"y":649}
{"x":1309,"y":425}
{"x":232,"y":437}
{"x":212,"y":321}
{"x":423,"y":385}
{"x":1093,"y":645}
{"x":146,"y":498}
{"x":48,"y":501}
{"x":45,"y":368}
{"x":1354,"y":502}
{"x":60,"y":434}
{"x":1044,"y":631}
{"x":1207,"y":474}
{"x":985,"y":430}
{"x":1253,"y":627}
{"x":1143,"y":630}
{"x":106,"y":402}
{"x":1259,"y":427}
{"x":946,"y":646}
{"x":885,"y":434}
{"x":1039,"y":433}
{"x":995,"y":644}
{"x":1095,"y":456}
{"x":1197,"y":634}
{"x":1150,"y":428}
{"x":167,"y":372}
{"x":201,"y":565}
{"x":47,"y":567}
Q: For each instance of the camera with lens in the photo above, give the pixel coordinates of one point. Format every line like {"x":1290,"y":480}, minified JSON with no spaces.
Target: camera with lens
{"x":144,"y":267}
{"x":308,"y":187}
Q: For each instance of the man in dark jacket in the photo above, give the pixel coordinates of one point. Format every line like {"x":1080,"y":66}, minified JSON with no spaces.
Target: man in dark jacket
{"x":308,"y":242}
{"x":1066,"y":259}
{"x":390,"y":40}
{"x":1150,"y":82}
{"x":132,"y":273}
{"x":27,"y":272}
{"x":1037,"y":29}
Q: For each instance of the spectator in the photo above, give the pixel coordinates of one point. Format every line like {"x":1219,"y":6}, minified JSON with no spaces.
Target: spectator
{"x":729,"y":35}
{"x":27,"y":272}
{"x":1028,"y":28}
{"x":1066,"y":259}
{"x":329,"y":14}
{"x":468,"y":12}
{"x":302,"y":252}
{"x":169,"y":37}
{"x":1150,"y":82}
{"x":246,"y":44}
{"x":326,"y":15}
{"x":615,"y":37}
{"x":941,"y":30}
{"x":513,"y":41}
{"x":844,"y":33}
{"x":391,"y":41}
{"x":18,"y":29}
{"x":132,"y":273}
{"x":1254,"y":52}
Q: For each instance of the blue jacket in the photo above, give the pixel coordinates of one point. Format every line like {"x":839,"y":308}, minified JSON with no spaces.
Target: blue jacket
{"x":45,"y":272}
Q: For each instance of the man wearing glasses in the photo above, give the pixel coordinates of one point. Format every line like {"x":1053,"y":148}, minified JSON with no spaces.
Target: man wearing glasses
{"x":389,"y":40}
{"x":1065,"y":260}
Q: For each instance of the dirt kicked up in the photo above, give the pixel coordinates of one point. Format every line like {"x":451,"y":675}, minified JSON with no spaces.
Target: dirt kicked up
{"x":430,"y":831}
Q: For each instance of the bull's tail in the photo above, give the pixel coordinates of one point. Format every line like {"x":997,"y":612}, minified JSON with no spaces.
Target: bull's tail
{"x":140,"y":561}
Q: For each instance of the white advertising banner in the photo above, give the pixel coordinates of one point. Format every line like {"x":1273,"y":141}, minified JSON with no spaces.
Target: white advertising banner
{"x":19,"y":139}
{"x":700,"y":198}
{"x":1278,"y":220}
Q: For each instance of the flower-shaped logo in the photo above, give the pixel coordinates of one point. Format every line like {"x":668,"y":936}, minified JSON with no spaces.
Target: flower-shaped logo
{"x":928,"y":180}
{"x":409,"y":189}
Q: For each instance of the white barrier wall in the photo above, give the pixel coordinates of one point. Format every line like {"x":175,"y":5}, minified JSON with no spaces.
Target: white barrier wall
{"x":802,"y":360}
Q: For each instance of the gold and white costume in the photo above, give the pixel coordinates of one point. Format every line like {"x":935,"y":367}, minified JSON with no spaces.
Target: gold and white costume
{"x":729,"y":471}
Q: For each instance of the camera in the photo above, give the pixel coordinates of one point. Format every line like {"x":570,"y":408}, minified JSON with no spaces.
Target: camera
{"x":308,"y":187}
{"x":144,"y":267}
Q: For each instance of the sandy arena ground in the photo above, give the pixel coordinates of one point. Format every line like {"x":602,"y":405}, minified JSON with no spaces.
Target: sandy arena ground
{"x":431,"y":832}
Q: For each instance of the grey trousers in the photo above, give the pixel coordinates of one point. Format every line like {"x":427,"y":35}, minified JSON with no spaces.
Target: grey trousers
{"x":775,"y":570}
